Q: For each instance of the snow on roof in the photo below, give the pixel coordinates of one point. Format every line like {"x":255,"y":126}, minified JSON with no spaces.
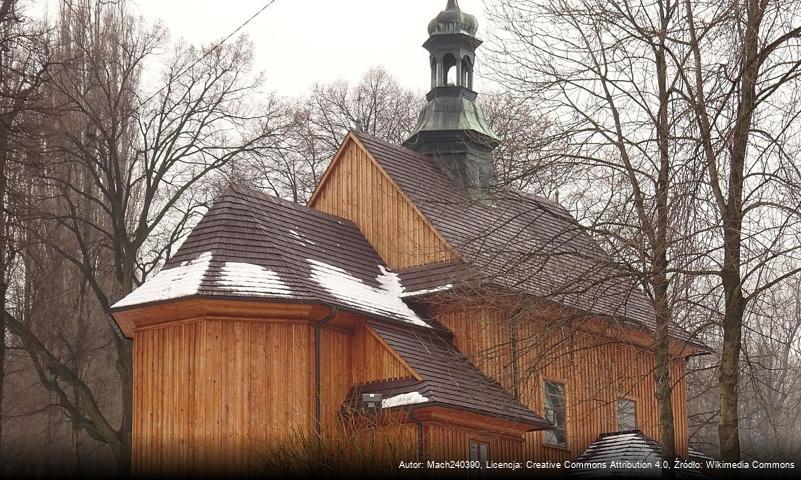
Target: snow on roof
{"x":180,"y":281}
{"x":411,"y":398}
{"x":524,"y":242}
{"x":426,"y":291}
{"x":301,"y":238}
{"x":252,"y":245}
{"x":384,"y":300}
{"x":627,"y":454}
{"x":249,"y":279}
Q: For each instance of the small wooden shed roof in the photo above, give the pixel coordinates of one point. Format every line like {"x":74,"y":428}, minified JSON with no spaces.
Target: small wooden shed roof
{"x":626,"y":454}
{"x":448,"y":378}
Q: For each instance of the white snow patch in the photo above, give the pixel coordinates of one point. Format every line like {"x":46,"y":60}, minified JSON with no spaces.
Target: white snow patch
{"x":410,"y":398}
{"x":250,"y":279}
{"x":383,"y":300}
{"x":181,"y":281}
{"x":426,"y":291}
{"x":301,"y":238}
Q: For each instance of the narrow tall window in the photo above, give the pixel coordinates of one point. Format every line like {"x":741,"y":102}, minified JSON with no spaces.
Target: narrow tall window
{"x":467,"y":73}
{"x":479,"y":452}
{"x":449,"y":70}
{"x":626,"y":414}
{"x":554,"y":409}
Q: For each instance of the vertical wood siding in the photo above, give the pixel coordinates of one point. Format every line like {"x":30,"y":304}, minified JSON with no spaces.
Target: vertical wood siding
{"x":596,"y":372}
{"x":447,"y":442}
{"x":372,"y":361}
{"x":348,"y":359}
{"x":357,"y":190}
{"x":336,"y":375}
{"x":212,"y":396}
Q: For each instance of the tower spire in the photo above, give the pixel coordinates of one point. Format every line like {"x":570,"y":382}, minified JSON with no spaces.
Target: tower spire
{"x":452,"y":128}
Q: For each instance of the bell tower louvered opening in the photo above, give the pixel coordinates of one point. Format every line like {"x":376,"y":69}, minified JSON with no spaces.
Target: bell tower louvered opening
{"x":452,"y":129}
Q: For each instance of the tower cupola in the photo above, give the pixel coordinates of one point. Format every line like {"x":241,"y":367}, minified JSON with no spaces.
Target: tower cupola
{"x":452,"y":128}
{"x":453,"y":19}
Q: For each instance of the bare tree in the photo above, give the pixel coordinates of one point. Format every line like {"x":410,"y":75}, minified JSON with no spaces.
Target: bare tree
{"x":379,"y":106}
{"x":683,"y":111}
{"x":739,"y":99}
{"x":318,"y":121}
{"x":605,"y":73}
{"x":121,"y":174}
{"x":22,"y":67}
{"x":521,"y":159}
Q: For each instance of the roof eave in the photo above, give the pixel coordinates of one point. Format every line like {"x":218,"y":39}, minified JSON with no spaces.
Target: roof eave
{"x":514,"y":422}
{"x":118,"y":311}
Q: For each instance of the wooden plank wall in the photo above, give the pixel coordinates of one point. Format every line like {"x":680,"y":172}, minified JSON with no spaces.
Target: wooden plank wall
{"x":596,"y":373}
{"x":372,"y":361}
{"x":357,"y":190}
{"x":211,"y":395}
{"x":348,"y":359}
{"x":448,"y":442}
{"x":336,"y":375}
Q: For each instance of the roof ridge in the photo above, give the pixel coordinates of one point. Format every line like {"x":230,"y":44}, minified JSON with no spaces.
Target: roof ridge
{"x":541,"y":202}
{"x":498,"y":239}
{"x":387,"y":143}
{"x":243,"y":189}
{"x":215,"y":244}
{"x":539,"y":199}
{"x":279,"y":254}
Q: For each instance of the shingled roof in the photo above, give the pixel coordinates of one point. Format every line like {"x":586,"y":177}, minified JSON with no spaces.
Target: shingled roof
{"x":626,"y":454}
{"x":434,"y":277}
{"x":448,"y":378}
{"x":252,"y":245}
{"x":519,"y":241}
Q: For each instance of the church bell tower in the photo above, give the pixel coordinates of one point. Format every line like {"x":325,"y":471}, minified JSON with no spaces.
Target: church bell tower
{"x":452,"y":128}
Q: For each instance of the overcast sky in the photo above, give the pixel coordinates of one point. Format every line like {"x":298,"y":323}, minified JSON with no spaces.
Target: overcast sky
{"x":299,"y":42}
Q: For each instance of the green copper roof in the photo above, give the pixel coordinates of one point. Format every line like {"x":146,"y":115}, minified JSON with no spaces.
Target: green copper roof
{"x":453,"y":20}
{"x":453,"y":108}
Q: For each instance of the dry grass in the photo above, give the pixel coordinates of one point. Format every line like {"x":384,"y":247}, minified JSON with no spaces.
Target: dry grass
{"x":357,"y":445}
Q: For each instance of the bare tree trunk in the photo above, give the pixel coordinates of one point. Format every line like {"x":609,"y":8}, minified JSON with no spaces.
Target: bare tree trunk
{"x":728,"y":426}
{"x":6,"y":10}
{"x":3,"y":284}
{"x":124,"y":367}
{"x":731,"y":274}
{"x":661,"y":283}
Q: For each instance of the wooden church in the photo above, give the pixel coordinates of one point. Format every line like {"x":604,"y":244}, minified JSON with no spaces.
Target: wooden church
{"x":459,"y":319}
